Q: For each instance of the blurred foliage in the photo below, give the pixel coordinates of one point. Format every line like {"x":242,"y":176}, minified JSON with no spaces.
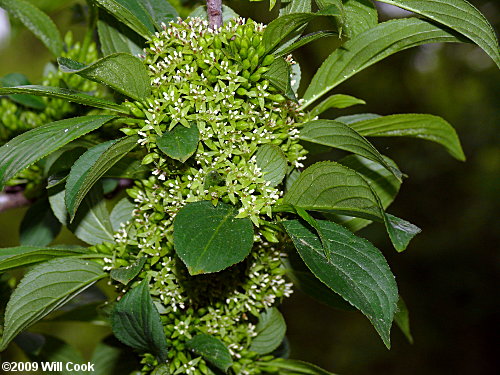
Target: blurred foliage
{"x":449,"y":273}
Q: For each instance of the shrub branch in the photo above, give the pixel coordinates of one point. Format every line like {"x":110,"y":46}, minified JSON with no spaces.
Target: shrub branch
{"x":214,"y":11}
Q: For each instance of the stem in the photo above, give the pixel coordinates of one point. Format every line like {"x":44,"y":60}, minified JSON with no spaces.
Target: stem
{"x":13,"y":200}
{"x":214,"y":11}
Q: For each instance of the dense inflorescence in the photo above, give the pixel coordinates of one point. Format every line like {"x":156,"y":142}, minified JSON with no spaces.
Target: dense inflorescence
{"x":214,"y":81}
{"x":16,"y":118}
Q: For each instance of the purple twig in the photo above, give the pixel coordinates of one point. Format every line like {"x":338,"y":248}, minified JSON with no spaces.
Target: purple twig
{"x":214,"y":11}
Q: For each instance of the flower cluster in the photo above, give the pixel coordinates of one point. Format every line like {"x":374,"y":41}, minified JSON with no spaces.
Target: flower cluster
{"x":214,"y":80}
{"x":16,"y":119}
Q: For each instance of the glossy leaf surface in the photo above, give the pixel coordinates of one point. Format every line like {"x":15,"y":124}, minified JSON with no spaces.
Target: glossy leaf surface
{"x":121,"y":213}
{"x":131,"y":13}
{"x":45,"y":288}
{"x":371,"y":46}
{"x":37,"y":22}
{"x":212,"y":350}
{"x":126,"y":274}
{"x":357,"y":271}
{"x":18,"y":79}
{"x":116,"y":38}
{"x":336,"y":101}
{"x":272,"y":162}
{"x":331,"y":187}
{"x":91,"y":223}
{"x":360,"y":15}
{"x":294,"y":367}
{"x":458,"y":15}
{"x":136,"y":322}
{"x":338,"y":135}
{"x":66,"y":94}
{"x":180,"y":142}
{"x":271,"y":331}
{"x":91,"y":166}
{"x":382,"y":182}
{"x":121,"y":71}
{"x":21,"y":256}
{"x":29,"y":147}
{"x":428,"y":127}
{"x":210,"y":239}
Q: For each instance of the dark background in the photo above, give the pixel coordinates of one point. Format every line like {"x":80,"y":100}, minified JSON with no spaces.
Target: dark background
{"x":448,"y":275}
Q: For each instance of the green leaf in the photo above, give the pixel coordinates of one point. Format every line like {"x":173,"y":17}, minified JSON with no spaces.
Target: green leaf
{"x":120,"y":71}
{"x":306,"y":39}
{"x":271,"y":331}
{"x":428,"y":127}
{"x":131,"y":13}
{"x":45,"y":288}
{"x":382,"y":182}
{"x":180,"y":142}
{"x":161,"y":11}
{"x":115,"y":37}
{"x":272,"y":162}
{"x":126,"y":274}
{"x":91,"y":223}
{"x":292,"y":366}
{"x":21,"y":256}
{"x":136,"y":322}
{"x":279,"y":29}
{"x":128,"y":167}
{"x":357,"y":270}
{"x":37,"y":22}
{"x":350,"y":119}
{"x":66,"y":94}
{"x":331,"y":187}
{"x":121,"y":213}
{"x":52,"y":349}
{"x":335,"y":101}
{"x":338,"y":135}
{"x":16,"y":79}
{"x":39,"y":226}
{"x":360,"y":15}
{"x":371,"y":46}
{"x":334,"y":8}
{"x":212,"y":350}
{"x":201,"y":12}
{"x":304,"y":280}
{"x":279,"y":76}
{"x":91,"y":166}
{"x":458,"y":15}
{"x":402,"y":319}
{"x":27,"y":148}
{"x":295,"y":6}
{"x":210,"y":239}
{"x":400,"y":231}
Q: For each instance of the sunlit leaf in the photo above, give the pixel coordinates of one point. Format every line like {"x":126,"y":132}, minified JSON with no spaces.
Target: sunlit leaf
{"x":120,"y":71}
{"x":458,"y":15}
{"x":428,"y":127}
{"x":29,"y":147}
{"x":371,"y":46}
